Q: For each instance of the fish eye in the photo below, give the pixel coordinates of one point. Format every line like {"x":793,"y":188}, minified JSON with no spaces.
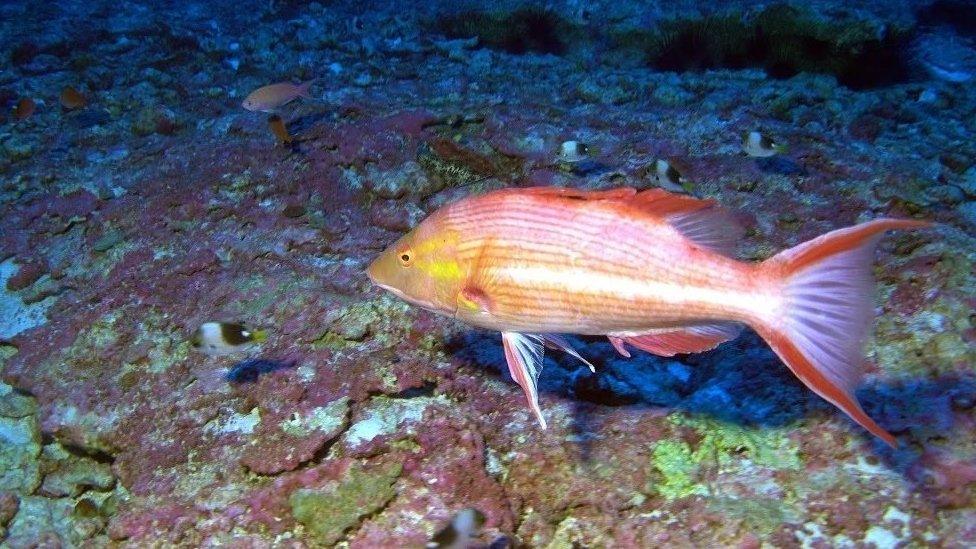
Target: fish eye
{"x":406,"y":258}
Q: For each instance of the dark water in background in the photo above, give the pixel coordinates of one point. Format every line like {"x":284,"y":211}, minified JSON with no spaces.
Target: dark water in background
{"x":141,"y":200}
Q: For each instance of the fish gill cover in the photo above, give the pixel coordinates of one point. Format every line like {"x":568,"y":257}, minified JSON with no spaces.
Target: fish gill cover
{"x":141,"y":200}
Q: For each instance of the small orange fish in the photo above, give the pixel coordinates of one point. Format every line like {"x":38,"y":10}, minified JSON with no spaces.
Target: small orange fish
{"x":24,"y":108}
{"x":72,"y":99}
{"x":652,"y":269}
{"x":269,"y":98}
{"x":278,"y":128}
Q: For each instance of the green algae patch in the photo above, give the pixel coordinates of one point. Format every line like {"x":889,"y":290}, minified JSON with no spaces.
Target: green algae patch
{"x":677,"y":467}
{"x":328,"y":512}
{"x":763,"y":515}
{"x":728,"y":442}
{"x":929,"y":343}
{"x":264,"y":295}
{"x":6,"y":353}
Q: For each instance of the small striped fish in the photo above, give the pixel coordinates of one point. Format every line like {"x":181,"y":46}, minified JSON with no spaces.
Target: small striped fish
{"x":651,"y":270}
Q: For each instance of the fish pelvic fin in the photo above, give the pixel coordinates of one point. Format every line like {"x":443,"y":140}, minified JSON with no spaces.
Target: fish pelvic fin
{"x":825,"y":314}
{"x":556,"y":341}
{"x":524,"y":353}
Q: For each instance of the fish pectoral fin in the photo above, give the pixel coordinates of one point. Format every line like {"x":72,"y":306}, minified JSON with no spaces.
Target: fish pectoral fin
{"x":474,"y":299}
{"x":670,"y":342}
{"x":556,"y":341}
{"x":524,"y":353}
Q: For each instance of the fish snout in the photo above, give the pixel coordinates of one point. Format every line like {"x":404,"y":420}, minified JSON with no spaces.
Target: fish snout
{"x":371,"y":271}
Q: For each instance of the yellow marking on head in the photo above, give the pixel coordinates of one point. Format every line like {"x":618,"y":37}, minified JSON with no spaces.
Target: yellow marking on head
{"x":447,"y":269}
{"x":430,"y":257}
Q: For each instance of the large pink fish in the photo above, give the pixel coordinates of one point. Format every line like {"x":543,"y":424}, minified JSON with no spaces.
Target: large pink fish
{"x":650,"y":269}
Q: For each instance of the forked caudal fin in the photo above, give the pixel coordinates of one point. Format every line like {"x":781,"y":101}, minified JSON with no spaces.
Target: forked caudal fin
{"x":826,"y":311}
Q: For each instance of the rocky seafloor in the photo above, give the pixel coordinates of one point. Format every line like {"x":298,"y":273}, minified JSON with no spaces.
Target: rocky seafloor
{"x":162,"y":204}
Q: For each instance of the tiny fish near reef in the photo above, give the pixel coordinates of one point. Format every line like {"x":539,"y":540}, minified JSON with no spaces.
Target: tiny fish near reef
{"x":650,"y":269}
{"x":270,"y":97}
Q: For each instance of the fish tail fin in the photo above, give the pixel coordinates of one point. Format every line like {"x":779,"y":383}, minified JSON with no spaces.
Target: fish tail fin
{"x":305,"y":87}
{"x":819,"y":327}
{"x":259,"y":335}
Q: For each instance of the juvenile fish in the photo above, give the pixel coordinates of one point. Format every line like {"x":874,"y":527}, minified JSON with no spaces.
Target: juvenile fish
{"x":460,"y":531}
{"x":24,"y":108}
{"x":650,"y":270}
{"x":667,"y":176}
{"x":225,"y":338}
{"x":573,"y":151}
{"x":72,"y":99}
{"x":277,"y":126}
{"x":270,"y":97}
{"x":760,"y":146}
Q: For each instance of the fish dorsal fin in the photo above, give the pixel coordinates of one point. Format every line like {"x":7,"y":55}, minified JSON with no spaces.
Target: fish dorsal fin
{"x":701,"y":221}
{"x":581,"y":194}
{"x":692,"y":339}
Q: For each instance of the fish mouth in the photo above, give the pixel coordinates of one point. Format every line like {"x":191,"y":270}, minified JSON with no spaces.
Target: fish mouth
{"x":429,"y":305}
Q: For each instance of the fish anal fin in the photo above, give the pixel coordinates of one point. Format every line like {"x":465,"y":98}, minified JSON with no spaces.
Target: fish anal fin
{"x":524,"y":353}
{"x":692,"y":339}
{"x":618,"y":344}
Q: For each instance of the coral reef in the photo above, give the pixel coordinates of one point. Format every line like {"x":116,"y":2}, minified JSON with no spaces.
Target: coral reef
{"x":162,"y":204}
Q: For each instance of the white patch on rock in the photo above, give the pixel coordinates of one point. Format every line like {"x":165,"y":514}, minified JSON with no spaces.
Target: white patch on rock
{"x":882,"y":538}
{"x":899,"y":519}
{"x":237,"y":423}
{"x":327,"y":419}
{"x":386,"y":415}
{"x":18,"y":316}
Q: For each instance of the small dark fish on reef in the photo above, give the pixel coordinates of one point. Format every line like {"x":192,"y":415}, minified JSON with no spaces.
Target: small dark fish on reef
{"x":278,"y":128}
{"x":272,"y":96}
{"x":72,"y":99}
{"x":225,"y":338}
{"x":24,"y":108}
{"x":248,"y":370}
{"x":460,"y":531}
{"x":650,"y":269}
{"x":759,"y":145}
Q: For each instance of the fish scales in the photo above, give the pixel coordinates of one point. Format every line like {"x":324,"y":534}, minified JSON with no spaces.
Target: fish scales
{"x":573,"y":265}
